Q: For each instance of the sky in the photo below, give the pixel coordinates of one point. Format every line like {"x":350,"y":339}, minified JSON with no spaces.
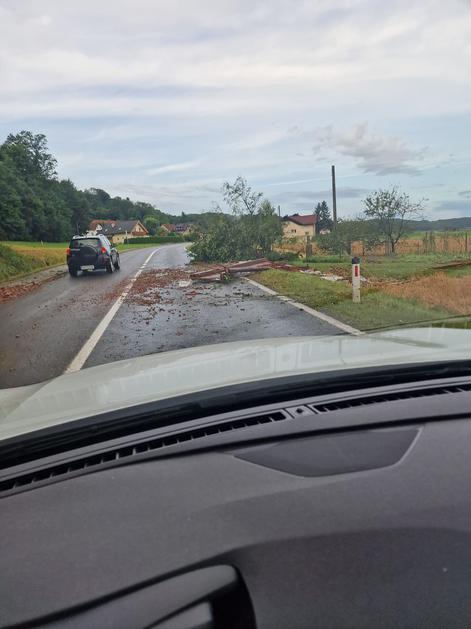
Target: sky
{"x":163,"y":101}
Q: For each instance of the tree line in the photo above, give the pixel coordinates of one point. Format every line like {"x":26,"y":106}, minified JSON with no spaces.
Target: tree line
{"x":36,"y":205}
{"x":253,"y":228}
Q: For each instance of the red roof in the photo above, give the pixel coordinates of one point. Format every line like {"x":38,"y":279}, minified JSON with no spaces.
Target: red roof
{"x":93,"y":224}
{"x":309,"y":219}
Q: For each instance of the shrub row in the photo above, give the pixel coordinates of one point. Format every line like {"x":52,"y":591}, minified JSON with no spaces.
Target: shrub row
{"x":158,"y":239}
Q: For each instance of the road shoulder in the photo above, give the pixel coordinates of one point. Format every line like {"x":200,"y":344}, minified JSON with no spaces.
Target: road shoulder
{"x":315,"y":313}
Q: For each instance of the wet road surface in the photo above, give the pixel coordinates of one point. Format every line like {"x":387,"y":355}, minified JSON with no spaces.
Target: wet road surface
{"x":42,"y":332}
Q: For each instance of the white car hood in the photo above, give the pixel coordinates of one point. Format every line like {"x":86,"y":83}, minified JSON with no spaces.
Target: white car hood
{"x":161,"y":376}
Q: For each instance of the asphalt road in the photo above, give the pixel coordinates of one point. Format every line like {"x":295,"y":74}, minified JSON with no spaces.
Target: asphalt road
{"x":42,"y":332}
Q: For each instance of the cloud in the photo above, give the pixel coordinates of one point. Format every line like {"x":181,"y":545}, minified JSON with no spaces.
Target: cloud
{"x":140,"y":92}
{"x":314,"y":196}
{"x":465,"y":193}
{"x":171,"y":168}
{"x":380,"y":155}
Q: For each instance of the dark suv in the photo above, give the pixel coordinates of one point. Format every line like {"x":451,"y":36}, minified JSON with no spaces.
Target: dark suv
{"x":87,"y":253}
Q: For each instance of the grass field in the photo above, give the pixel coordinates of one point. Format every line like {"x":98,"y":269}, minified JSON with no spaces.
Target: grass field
{"x":383,"y":268}
{"x":438,"y":234}
{"x":13,"y":264}
{"x":126,"y":247}
{"x":377,"y":309}
{"x":18,"y":258}
{"x":404,"y":289}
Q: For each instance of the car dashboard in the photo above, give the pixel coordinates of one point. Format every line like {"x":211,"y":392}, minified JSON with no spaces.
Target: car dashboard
{"x":342,"y":510}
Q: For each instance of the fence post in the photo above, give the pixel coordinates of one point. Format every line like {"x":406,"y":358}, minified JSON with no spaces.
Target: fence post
{"x":356,"y":280}
{"x":308,"y":247}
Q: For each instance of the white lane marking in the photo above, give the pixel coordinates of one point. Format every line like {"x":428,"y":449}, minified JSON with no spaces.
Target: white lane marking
{"x":315,"y":313}
{"x":79,"y":361}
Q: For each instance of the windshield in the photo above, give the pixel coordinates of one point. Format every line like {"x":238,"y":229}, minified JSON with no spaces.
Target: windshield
{"x":84,"y":242}
{"x":283,"y":175}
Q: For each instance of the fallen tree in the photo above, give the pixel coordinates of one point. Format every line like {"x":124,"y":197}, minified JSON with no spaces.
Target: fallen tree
{"x":248,"y":232}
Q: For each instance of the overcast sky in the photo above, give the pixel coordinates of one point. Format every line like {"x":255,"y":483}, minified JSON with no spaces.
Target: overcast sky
{"x":165,"y":100}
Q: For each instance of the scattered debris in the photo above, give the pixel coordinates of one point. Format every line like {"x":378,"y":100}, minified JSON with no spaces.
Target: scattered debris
{"x":23,"y":286}
{"x":330,"y":277}
{"x":219,"y":272}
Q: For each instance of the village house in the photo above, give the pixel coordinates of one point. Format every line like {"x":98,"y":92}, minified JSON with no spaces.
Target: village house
{"x":297,"y":226}
{"x":180,"y":228}
{"x":118,"y":231}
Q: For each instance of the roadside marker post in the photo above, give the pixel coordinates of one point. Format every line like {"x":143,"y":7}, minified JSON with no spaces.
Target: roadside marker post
{"x":356,"y":280}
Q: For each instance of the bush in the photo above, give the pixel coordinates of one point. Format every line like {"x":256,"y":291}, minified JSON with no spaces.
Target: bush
{"x":328,"y":259}
{"x":156,"y":239}
{"x":283,"y":256}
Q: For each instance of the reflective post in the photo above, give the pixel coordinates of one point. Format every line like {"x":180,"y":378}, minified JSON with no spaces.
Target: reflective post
{"x":356,"y":280}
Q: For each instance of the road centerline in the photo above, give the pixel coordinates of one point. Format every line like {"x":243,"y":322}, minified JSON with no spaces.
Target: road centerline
{"x":77,"y":363}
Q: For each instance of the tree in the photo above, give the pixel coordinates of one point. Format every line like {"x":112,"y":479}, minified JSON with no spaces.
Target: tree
{"x":270,"y":227}
{"x":98,"y":197}
{"x":391,"y":211}
{"x":35,"y":205}
{"x":12,"y":223}
{"x":324,"y":219}
{"x":30,"y":152}
{"x":78,"y":205}
{"x":339,"y":242}
{"x":240,"y":197}
{"x":152,"y":224}
{"x":250,"y":232}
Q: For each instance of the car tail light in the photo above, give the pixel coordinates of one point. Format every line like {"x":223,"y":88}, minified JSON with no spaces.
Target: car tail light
{"x":103,"y":250}
{"x":68,"y":251}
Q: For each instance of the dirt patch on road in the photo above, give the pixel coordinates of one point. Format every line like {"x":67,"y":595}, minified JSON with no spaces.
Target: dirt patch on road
{"x":18,"y":288}
{"x":451,"y":293}
{"x":147,"y":289}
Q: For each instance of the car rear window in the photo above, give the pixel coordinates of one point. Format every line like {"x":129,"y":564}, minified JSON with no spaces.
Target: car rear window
{"x":81,"y":242}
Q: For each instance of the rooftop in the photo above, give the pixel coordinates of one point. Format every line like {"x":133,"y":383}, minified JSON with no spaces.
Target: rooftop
{"x":308,"y":219}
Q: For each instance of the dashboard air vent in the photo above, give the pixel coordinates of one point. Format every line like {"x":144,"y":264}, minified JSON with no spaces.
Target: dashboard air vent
{"x":340,"y":404}
{"x":49,"y":473}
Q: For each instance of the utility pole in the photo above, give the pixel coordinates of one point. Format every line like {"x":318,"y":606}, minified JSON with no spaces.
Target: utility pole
{"x":334,"y":198}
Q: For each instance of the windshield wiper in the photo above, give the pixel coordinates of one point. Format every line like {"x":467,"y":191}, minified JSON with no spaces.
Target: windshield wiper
{"x":439,"y":322}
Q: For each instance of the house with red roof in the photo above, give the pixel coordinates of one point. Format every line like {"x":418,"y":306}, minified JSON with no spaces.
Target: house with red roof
{"x":299,"y":226}
{"x":118,"y":231}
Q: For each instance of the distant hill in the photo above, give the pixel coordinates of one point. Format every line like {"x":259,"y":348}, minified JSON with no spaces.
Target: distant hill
{"x":442,"y":224}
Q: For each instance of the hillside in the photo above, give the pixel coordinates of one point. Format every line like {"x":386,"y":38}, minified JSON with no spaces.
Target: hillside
{"x":442,"y":224}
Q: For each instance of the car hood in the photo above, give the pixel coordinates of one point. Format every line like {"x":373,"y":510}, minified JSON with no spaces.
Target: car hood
{"x":133,"y":382}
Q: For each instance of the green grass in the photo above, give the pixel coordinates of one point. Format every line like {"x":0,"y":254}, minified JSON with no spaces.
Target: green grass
{"x":398,"y":267}
{"x":24,"y":244}
{"x":35,"y":245}
{"x":417,"y":235}
{"x":128,"y":247}
{"x":18,"y":258}
{"x":459,"y":271}
{"x":13,"y":264}
{"x":462,"y":324}
{"x":376,"y":310}
{"x":30,"y":256}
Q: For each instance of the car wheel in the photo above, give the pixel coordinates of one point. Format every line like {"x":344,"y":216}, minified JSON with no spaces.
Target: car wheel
{"x":110,"y":266}
{"x":116,"y":264}
{"x":73,"y":272}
